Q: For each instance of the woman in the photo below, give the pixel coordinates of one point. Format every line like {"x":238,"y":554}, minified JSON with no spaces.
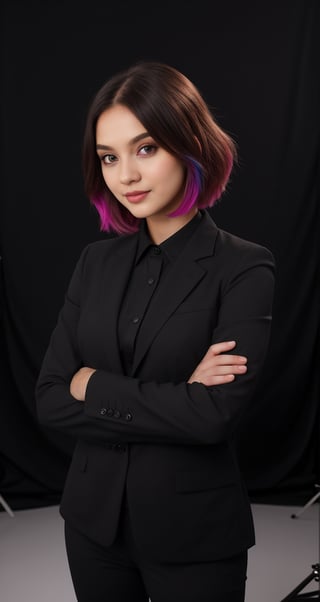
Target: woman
{"x":157,"y":353}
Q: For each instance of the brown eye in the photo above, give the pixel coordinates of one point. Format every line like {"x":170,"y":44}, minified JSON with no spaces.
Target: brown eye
{"x":107,"y":159}
{"x":147,"y":149}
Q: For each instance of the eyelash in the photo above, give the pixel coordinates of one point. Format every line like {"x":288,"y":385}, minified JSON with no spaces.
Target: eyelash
{"x":151,"y":149}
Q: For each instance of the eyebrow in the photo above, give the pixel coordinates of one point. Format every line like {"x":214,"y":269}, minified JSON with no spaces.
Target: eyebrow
{"x":132,"y":141}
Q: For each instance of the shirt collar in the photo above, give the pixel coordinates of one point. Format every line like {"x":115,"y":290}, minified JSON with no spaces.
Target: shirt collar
{"x":173,"y":245}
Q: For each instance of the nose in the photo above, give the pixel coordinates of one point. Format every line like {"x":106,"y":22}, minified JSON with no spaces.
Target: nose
{"x":129,"y":172}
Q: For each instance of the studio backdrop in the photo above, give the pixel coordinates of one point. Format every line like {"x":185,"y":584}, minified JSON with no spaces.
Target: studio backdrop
{"x":257,"y":65}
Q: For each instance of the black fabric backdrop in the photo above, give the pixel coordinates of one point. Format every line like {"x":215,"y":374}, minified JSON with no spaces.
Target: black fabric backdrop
{"x":257,"y":64}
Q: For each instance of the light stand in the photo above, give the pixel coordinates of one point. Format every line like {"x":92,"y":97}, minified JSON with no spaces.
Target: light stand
{"x":6,"y":506}
{"x":309,"y":503}
{"x":295,"y":595}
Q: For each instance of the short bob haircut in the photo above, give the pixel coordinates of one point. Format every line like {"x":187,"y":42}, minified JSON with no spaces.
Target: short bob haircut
{"x":178,"y":119}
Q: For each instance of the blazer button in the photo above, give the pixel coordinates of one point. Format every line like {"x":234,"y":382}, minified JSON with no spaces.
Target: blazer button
{"x":103,"y":411}
{"x":119,"y":448}
{"x":116,"y":414}
{"x":128,"y":416}
{"x":109,"y":412}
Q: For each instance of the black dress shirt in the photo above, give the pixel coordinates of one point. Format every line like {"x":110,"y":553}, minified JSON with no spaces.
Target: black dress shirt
{"x":150,"y":266}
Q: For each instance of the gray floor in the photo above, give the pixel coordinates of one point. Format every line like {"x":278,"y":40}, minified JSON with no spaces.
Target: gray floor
{"x":33,"y":565}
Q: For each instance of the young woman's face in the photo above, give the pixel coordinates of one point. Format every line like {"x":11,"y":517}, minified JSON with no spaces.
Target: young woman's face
{"x":143,"y":177}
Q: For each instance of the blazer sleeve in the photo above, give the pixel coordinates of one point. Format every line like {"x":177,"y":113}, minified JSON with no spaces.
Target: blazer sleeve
{"x":123,"y":409}
{"x":56,"y":407}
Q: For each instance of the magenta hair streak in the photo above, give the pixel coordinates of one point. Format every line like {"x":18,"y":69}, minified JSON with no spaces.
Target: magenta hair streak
{"x":193,"y":187}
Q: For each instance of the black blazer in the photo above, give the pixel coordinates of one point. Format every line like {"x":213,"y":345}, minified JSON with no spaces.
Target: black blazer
{"x":169,"y":444}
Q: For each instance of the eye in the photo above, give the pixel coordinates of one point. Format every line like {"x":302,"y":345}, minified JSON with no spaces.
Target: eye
{"x":108,"y":159}
{"x":147,"y":149}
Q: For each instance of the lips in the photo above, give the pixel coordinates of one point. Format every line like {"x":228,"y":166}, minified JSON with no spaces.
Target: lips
{"x":136,"y":196}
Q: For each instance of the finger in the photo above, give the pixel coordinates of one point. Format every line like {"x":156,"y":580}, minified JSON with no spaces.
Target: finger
{"x":230,"y":359}
{"x":210,"y":381}
{"x":219,"y":371}
{"x":236,"y":369}
{"x":206,"y":375}
{"x":218,"y":348}
{"x":225,"y":378}
{"x":216,"y":373}
{"x":212,"y":363}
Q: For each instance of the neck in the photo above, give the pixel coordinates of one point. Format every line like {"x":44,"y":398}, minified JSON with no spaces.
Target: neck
{"x":161,"y":228}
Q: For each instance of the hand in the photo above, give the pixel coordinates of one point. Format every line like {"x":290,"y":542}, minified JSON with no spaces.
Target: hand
{"x":217,"y":367}
{"x":79,"y":383}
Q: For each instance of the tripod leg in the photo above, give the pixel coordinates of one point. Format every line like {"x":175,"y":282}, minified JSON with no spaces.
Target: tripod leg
{"x":294,"y":595}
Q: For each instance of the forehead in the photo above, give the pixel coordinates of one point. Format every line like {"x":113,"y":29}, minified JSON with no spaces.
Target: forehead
{"x":117,"y":125}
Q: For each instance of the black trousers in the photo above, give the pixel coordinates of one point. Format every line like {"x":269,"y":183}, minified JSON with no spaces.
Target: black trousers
{"x":120,"y":574}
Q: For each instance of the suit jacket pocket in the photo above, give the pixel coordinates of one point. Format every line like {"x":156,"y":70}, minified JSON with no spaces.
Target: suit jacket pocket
{"x":203,"y":480}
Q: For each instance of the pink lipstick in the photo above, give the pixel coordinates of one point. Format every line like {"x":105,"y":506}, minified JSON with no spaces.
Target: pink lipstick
{"x":136,"y":196}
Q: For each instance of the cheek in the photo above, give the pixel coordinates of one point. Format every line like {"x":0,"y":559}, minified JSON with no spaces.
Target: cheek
{"x":176,"y":180}
{"x":109,"y":179}
{"x":172,"y":175}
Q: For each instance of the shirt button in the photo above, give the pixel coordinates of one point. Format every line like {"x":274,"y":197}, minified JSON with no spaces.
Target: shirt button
{"x":150,"y":280}
{"x":109,"y":412}
{"x":156,"y":250}
{"x":128,"y":416}
{"x":135,"y":320}
{"x":116,"y":414}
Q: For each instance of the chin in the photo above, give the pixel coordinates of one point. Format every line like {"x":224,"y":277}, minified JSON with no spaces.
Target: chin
{"x":140,"y":212}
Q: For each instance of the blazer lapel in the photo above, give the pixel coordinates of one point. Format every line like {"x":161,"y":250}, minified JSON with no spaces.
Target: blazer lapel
{"x":184,"y":275}
{"x":117,"y":273}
